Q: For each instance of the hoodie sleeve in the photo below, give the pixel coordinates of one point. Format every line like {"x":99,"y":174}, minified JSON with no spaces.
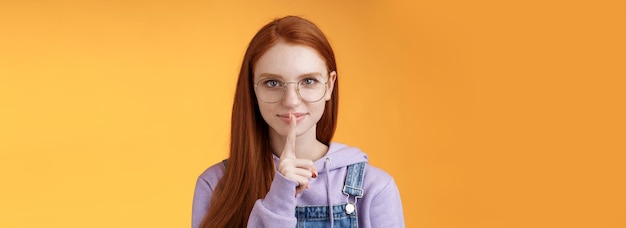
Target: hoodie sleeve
{"x":277,"y":209}
{"x":388,"y":210}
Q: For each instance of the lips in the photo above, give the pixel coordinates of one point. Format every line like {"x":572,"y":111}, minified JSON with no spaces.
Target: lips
{"x":299,"y":116}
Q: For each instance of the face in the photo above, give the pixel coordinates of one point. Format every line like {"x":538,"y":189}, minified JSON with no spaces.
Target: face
{"x":292,"y":63}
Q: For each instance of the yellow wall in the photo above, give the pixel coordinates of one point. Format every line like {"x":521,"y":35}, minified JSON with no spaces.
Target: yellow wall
{"x":487,"y":113}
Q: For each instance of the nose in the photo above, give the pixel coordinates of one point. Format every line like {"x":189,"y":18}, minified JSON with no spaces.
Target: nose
{"x":291,"y":97}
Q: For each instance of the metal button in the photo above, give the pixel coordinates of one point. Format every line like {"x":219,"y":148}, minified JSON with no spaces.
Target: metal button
{"x":349,"y":208}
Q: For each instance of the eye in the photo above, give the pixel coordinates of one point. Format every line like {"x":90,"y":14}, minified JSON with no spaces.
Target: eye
{"x":271,"y":83}
{"x":309,"y":81}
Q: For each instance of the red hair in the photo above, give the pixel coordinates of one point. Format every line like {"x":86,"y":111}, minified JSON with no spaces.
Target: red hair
{"x":251,"y":166}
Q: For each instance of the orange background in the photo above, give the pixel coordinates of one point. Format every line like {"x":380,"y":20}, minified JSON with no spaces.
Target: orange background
{"x":487,"y":113}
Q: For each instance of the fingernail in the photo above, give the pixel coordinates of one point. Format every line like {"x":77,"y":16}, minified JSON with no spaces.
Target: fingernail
{"x":314,"y":173}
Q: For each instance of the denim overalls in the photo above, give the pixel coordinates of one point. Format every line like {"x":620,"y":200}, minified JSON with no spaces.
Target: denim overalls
{"x":344,"y":215}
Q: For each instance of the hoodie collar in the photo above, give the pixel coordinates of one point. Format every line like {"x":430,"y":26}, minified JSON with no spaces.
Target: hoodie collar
{"x":338,"y":156}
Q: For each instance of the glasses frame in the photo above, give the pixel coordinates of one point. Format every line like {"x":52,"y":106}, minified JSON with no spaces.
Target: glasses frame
{"x":284,"y":87}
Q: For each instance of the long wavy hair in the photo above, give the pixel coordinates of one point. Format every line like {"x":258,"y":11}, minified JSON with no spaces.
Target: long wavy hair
{"x":250,"y":168}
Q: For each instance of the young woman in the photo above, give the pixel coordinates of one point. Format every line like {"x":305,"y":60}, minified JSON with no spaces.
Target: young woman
{"x":283,"y":169}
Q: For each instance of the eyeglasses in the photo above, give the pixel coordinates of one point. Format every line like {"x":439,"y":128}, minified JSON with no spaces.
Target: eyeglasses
{"x":271,"y":90}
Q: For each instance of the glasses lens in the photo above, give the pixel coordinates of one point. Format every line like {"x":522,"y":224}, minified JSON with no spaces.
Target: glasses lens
{"x":312,"y":89}
{"x":270,"y":90}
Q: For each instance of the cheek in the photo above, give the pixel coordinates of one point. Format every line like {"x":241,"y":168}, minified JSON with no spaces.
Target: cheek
{"x":266,"y":111}
{"x":318,"y":109}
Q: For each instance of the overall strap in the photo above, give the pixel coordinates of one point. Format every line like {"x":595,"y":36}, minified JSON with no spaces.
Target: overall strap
{"x":354,"y":180}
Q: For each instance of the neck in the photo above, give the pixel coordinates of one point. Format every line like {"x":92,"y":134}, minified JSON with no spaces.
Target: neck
{"x":307,"y":145}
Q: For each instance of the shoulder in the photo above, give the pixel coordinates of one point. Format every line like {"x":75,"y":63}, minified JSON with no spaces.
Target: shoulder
{"x":375,"y":174}
{"x":213,"y":174}
{"x":204,"y":191}
{"x":376,"y":180}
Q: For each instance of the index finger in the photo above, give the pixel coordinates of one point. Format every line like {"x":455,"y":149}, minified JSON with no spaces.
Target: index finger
{"x":290,"y":143}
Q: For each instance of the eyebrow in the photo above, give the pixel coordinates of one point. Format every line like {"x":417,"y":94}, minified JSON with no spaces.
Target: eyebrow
{"x":270,"y":75}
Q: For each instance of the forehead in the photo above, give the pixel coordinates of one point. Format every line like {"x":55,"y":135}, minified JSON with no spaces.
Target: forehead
{"x":289,"y":61}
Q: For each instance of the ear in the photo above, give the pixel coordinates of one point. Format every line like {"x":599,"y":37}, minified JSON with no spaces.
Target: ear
{"x":331,"y":84}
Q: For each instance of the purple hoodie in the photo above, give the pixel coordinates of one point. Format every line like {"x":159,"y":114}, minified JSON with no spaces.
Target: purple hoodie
{"x":379,"y":207}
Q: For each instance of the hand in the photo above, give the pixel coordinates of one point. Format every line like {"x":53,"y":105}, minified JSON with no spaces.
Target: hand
{"x":298,"y":170}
